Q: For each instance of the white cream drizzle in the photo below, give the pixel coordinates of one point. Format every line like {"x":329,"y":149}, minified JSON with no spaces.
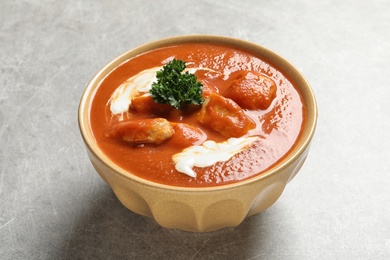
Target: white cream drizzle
{"x":141,"y":83}
{"x":209,"y":153}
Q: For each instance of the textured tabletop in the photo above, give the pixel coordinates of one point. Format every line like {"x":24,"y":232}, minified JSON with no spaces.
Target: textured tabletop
{"x":53,"y":205}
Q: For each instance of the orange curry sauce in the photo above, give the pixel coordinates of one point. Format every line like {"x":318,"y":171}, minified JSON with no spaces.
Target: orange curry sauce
{"x":278,"y":126}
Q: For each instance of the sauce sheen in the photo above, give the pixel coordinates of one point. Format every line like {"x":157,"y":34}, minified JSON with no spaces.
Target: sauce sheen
{"x":276,"y":130}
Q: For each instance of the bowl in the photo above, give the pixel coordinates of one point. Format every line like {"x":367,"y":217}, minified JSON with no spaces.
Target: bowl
{"x":208,"y":208}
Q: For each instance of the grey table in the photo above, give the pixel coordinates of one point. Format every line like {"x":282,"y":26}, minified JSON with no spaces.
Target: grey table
{"x":54,"y":206}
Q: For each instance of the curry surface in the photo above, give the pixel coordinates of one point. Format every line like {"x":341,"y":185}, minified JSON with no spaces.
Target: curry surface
{"x":278,"y":126}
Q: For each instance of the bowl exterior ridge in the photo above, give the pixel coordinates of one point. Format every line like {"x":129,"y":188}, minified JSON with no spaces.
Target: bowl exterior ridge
{"x":198,"y":211}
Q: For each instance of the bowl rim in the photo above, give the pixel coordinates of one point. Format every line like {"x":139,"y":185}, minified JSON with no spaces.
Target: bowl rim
{"x":277,"y":61}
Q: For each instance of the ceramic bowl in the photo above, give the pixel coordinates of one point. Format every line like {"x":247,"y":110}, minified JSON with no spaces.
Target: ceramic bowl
{"x":201,"y":209}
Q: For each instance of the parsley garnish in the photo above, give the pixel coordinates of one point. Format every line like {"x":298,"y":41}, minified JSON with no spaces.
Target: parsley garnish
{"x":176,"y":88}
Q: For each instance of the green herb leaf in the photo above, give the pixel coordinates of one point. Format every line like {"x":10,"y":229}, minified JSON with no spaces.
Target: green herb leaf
{"x":176,"y":88}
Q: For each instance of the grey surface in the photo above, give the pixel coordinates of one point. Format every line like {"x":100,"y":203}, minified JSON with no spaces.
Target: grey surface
{"x":54,"y":206}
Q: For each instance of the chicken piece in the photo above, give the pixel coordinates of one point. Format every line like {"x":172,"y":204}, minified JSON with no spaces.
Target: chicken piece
{"x":186,"y":135}
{"x":252,"y":90}
{"x":208,"y":89}
{"x":224,"y":116}
{"x":145,"y":104}
{"x":143,"y":131}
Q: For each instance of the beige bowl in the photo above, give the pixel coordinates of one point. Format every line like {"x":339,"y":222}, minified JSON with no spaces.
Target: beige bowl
{"x":201,"y":209}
